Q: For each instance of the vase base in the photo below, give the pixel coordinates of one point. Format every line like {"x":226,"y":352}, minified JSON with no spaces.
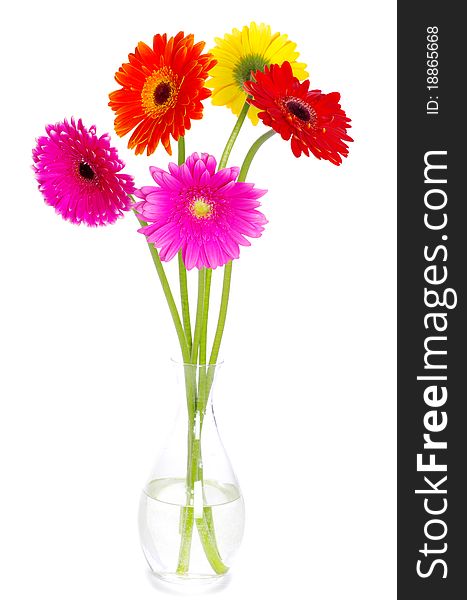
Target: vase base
{"x":192,"y":580}
{"x":161,"y":515}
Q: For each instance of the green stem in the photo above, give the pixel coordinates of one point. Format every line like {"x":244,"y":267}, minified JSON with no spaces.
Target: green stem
{"x":233,"y":136}
{"x":199,"y":317}
{"x":184,"y":301}
{"x":182,"y":269}
{"x":186,"y":524}
{"x":181,"y":150}
{"x":220,"y":325}
{"x":222,"y":313}
{"x":194,"y":447}
{"x":202,"y":396}
{"x":252,"y":152}
{"x":197,"y":404}
{"x":204,"y":522}
{"x":204,"y":329}
{"x":168,"y":296}
{"x":209,"y":545}
{"x":196,"y":412}
{"x":228,"y":267}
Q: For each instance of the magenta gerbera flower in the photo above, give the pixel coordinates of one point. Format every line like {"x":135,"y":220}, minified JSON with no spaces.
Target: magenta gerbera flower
{"x":78,"y":174}
{"x":207,"y":215}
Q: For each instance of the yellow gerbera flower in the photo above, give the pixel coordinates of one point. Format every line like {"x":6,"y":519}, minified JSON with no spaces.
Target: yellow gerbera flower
{"x":241,"y":52}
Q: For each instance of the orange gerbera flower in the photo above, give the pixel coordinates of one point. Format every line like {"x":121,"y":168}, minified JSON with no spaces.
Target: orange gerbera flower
{"x":162,"y":90}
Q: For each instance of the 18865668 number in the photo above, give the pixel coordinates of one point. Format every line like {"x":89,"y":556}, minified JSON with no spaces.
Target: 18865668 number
{"x":432,"y":58}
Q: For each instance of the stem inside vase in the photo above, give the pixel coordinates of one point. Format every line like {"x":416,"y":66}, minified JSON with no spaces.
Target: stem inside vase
{"x":196,"y":511}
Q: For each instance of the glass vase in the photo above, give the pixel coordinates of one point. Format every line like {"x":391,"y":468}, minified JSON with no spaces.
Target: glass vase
{"x":191,"y":515}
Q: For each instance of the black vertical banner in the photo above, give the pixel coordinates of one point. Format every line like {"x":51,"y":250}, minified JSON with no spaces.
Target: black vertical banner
{"x":432,"y":302}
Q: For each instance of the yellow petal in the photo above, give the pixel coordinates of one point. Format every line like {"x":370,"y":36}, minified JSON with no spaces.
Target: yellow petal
{"x":225,"y":95}
{"x":253,"y":114}
{"x":299,"y":70}
{"x":264,"y":39}
{"x":279,"y":44}
{"x":245,"y":40}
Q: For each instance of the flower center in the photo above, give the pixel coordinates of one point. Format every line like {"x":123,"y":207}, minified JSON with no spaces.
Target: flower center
{"x":300,"y":109}
{"x":86,"y":171}
{"x":201,"y":208}
{"x":247,"y":64}
{"x":162,"y":93}
{"x":159,"y":92}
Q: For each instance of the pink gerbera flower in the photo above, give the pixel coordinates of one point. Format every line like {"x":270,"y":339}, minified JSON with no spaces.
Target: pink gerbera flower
{"x":207,"y":215}
{"x":78,"y":174}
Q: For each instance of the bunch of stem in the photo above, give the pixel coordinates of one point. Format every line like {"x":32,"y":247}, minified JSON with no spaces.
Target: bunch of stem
{"x":199,"y":372}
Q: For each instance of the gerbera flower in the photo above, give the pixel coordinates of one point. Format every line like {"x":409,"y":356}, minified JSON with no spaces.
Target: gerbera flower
{"x":78,"y":174}
{"x":240,"y":53}
{"x":313,"y":121}
{"x":205,"y":214}
{"x":162,"y":90}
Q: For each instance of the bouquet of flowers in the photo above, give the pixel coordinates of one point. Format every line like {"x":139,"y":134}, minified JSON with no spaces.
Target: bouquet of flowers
{"x":199,"y":211}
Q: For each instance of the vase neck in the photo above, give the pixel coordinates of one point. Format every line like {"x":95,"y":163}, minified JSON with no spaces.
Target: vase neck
{"x":193,"y":450}
{"x":197,"y":383}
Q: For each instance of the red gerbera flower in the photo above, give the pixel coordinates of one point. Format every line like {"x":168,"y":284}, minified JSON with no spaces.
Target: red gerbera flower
{"x":162,"y":90}
{"x":313,"y":120}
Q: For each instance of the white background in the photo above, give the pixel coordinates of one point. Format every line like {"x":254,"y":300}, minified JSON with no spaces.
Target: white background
{"x":306,"y":404}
